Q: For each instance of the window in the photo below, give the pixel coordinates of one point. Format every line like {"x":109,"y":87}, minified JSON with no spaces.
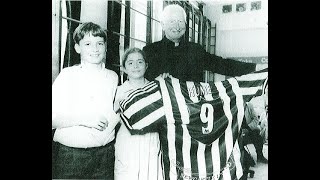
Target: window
{"x":156,"y":29}
{"x":138,"y":23}
{"x":191,"y":26}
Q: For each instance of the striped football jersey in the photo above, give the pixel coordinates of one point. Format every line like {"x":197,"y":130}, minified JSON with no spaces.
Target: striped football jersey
{"x":198,"y":123}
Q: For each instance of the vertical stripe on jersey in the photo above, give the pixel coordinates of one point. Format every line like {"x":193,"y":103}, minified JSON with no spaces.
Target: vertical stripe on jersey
{"x":171,"y":129}
{"x":186,"y":151}
{"x":239,"y":101}
{"x":234,"y":111}
{"x":194,"y":149}
{"x":237,"y":154}
{"x":236,"y":130}
{"x":226,"y":174}
{"x":173,"y":86}
{"x":193,"y":95}
{"x":194,"y":158}
{"x":183,"y":108}
{"x":232,"y":169}
{"x":222,"y":153}
{"x":226,"y":171}
{"x":186,"y":139}
{"x":215,"y":158}
{"x":201,"y":160}
{"x":208,"y":158}
{"x":227,"y":111}
{"x":208,"y":155}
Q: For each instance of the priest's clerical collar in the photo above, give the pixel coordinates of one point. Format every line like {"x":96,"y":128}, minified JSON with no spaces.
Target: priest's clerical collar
{"x":174,"y":44}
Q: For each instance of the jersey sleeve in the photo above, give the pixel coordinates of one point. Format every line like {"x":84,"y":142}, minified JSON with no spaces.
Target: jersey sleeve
{"x":253,"y":84}
{"x":142,"y":109}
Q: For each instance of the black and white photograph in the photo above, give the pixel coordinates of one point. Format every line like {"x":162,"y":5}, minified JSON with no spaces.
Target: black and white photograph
{"x":159,"y":90}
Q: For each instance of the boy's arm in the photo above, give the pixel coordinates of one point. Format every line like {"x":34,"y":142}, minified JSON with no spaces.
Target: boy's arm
{"x":113,"y":119}
{"x":90,"y":120}
{"x":61,"y":115}
{"x":63,"y":120}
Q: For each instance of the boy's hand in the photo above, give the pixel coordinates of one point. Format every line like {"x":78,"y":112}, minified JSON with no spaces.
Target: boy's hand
{"x":98,"y":122}
{"x":102,"y":125}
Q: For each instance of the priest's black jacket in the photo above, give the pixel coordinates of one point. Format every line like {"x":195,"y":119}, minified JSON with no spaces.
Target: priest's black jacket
{"x":188,"y":60}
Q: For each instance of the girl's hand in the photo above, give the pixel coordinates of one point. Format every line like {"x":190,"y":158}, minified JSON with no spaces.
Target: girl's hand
{"x":163,"y":75}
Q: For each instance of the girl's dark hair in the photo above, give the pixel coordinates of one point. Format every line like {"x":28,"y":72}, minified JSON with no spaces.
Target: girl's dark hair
{"x":130,"y":51}
{"x":87,"y":28}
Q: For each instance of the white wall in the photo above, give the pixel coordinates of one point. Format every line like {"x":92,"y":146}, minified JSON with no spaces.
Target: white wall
{"x":239,"y":34}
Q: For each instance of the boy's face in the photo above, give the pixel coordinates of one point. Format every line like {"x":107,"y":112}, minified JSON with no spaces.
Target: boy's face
{"x":91,"y":49}
{"x":135,"y":66}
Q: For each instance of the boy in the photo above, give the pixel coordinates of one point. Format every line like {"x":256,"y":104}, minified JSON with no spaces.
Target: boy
{"x":82,"y":110}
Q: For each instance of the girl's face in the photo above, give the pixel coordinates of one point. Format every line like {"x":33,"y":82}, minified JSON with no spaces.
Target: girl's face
{"x":91,"y":49}
{"x":135,"y":66}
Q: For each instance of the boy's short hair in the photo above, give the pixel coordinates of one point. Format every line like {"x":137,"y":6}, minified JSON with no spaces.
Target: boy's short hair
{"x":172,"y":8}
{"x":88,"y":28}
{"x":130,"y":51}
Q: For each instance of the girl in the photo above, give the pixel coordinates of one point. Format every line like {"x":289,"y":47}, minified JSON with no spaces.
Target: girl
{"x":137,"y":157}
